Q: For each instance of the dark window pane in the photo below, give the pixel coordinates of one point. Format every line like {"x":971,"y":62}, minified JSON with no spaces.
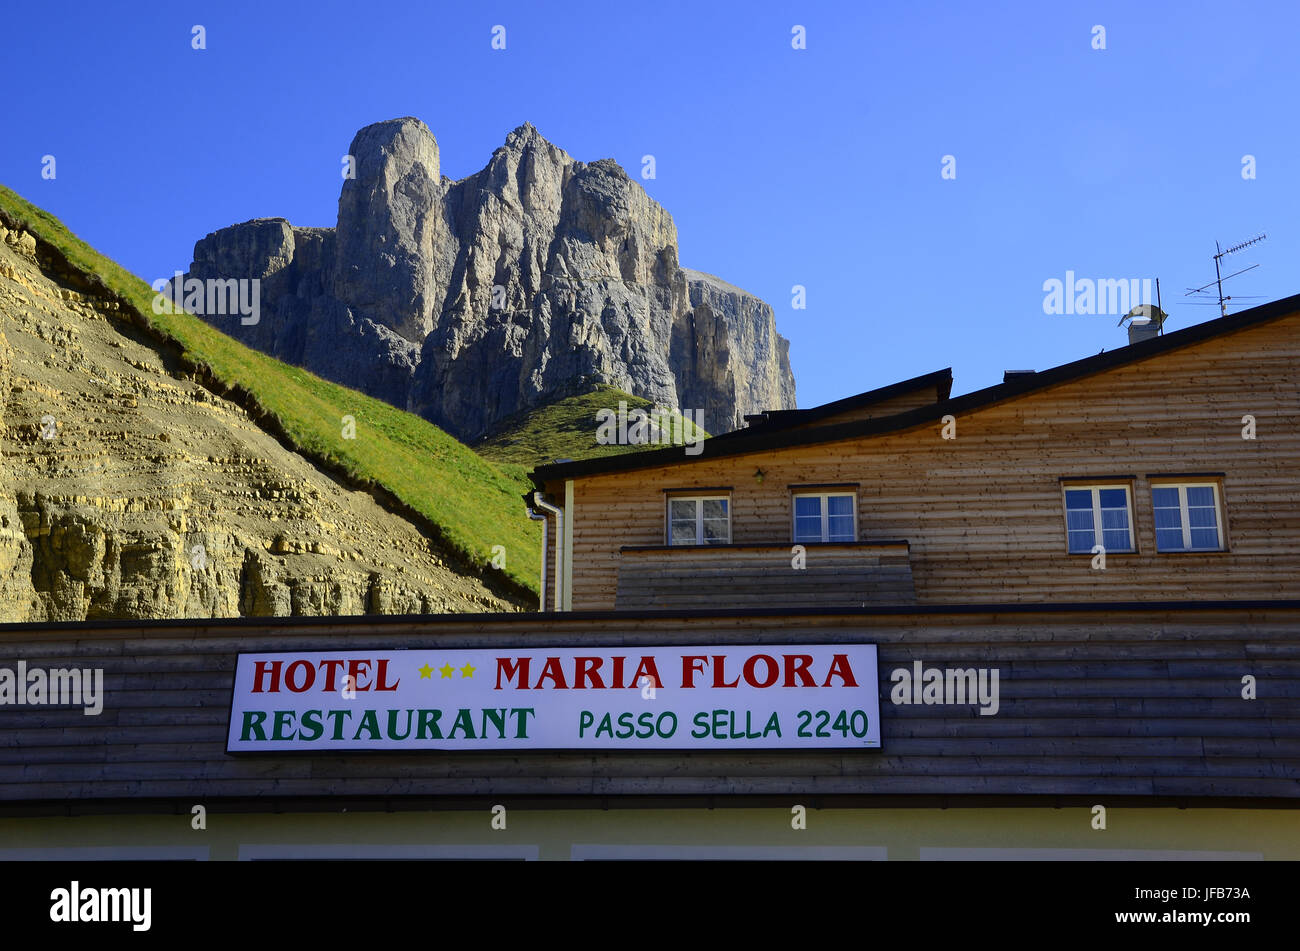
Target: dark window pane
{"x":1114,"y":518}
{"x":1078,"y":499}
{"x":1079,"y":521}
{"x":1168,"y":518}
{"x":807,"y":505}
{"x":1169,"y":539}
{"x":841,"y":528}
{"x":1115,"y":541}
{"x":1081,"y":541}
{"x":1165,"y":498}
{"x":1113,"y":498}
{"x":808,"y":529}
{"x":840,"y":505}
{"x":681,"y":508}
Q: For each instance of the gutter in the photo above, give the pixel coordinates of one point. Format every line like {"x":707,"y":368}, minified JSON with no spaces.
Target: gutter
{"x":541,"y":599}
{"x":545,"y":506}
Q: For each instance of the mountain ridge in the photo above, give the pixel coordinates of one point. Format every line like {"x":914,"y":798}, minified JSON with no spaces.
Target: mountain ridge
{"x":469,"y":301}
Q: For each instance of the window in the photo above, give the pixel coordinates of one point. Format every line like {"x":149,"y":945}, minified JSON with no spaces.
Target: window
{"x":703,"y":520}
{"x":825,"y":517}
{"x":1099,"y":515}
{"x":1187,"y":517}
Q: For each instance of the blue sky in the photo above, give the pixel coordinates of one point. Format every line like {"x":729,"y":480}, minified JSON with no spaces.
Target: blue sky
{"x":819,"y":167}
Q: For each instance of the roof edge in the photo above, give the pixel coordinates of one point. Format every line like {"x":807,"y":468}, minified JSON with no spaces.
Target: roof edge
{"x":759,"y":441}
{"x":941,"y":380}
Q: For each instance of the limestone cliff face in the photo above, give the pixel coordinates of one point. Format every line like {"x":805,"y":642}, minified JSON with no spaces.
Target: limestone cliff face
{"x":128,"y":490}
{"x":398,"y":300}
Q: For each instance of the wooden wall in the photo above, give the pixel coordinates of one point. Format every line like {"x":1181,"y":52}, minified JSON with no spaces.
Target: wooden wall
{"x":1128,"y":702}
{"x":833,"y":575}
{"x":984,"y":513}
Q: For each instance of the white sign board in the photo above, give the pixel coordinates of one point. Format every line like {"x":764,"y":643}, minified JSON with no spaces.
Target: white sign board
{"x":754,"y":697}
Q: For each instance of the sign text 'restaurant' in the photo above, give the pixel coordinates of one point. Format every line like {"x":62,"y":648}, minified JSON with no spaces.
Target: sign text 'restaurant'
{"x":595,"y":698}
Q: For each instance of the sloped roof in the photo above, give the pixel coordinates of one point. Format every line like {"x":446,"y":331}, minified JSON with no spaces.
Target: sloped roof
{"x":766,"y":438}
{"x":777,"y":419}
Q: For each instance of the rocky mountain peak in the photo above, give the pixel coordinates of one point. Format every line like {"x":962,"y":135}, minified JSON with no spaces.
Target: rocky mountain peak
{"x":470,"y":301}
{"x":524,"y":136}
{"x":404,"y":135}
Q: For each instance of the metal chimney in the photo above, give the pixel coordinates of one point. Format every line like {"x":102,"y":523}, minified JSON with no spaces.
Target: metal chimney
{"x":1144,"y":322}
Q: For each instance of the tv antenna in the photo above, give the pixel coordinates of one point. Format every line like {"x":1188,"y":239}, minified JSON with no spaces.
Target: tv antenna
{"x":1219,"y":277}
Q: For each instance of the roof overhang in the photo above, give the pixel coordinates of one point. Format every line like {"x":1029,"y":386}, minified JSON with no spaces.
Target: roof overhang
{"x":764,"y":440}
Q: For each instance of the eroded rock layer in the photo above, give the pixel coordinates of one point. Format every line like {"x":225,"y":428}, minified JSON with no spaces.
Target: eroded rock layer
{"x":129,"y":490}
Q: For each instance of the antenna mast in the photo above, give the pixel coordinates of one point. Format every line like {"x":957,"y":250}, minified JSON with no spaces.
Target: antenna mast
{"x":1218,"y":275}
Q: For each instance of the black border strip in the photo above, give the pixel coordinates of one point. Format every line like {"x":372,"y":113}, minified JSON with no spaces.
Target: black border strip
{"x":1101,"y":478}
{"x":262,"y":805}
{"x":777,"y":546}
{"x":794,"y":486}
{"x":532,"y":617}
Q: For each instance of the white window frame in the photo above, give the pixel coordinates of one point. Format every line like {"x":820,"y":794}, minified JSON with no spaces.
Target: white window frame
{"x":699,"y":518}
{"x":824,"y":496}
{"x":1183,"y":514}
{"x":1098,"y":535}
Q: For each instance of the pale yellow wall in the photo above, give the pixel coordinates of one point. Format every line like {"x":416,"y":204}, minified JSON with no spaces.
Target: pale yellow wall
{"x":906,"y":834}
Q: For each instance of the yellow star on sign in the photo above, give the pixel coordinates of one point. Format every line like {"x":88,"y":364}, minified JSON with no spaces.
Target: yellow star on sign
{"x":446,"y":670}
{"x":467,"y":671}
{"x":425,"y":672}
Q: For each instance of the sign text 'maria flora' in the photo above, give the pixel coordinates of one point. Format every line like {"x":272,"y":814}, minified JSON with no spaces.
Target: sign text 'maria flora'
{"x":793,"y":697}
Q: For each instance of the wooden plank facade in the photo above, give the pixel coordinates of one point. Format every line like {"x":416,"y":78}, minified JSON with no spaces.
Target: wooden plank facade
{"x":983,"y":512}
{"x":1135,"y":701}
{"x":854,"y":574}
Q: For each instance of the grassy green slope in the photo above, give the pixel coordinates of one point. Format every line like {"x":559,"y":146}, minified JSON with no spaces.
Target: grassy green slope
{"x":470,"y":502}
{"x":564,"y":429}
